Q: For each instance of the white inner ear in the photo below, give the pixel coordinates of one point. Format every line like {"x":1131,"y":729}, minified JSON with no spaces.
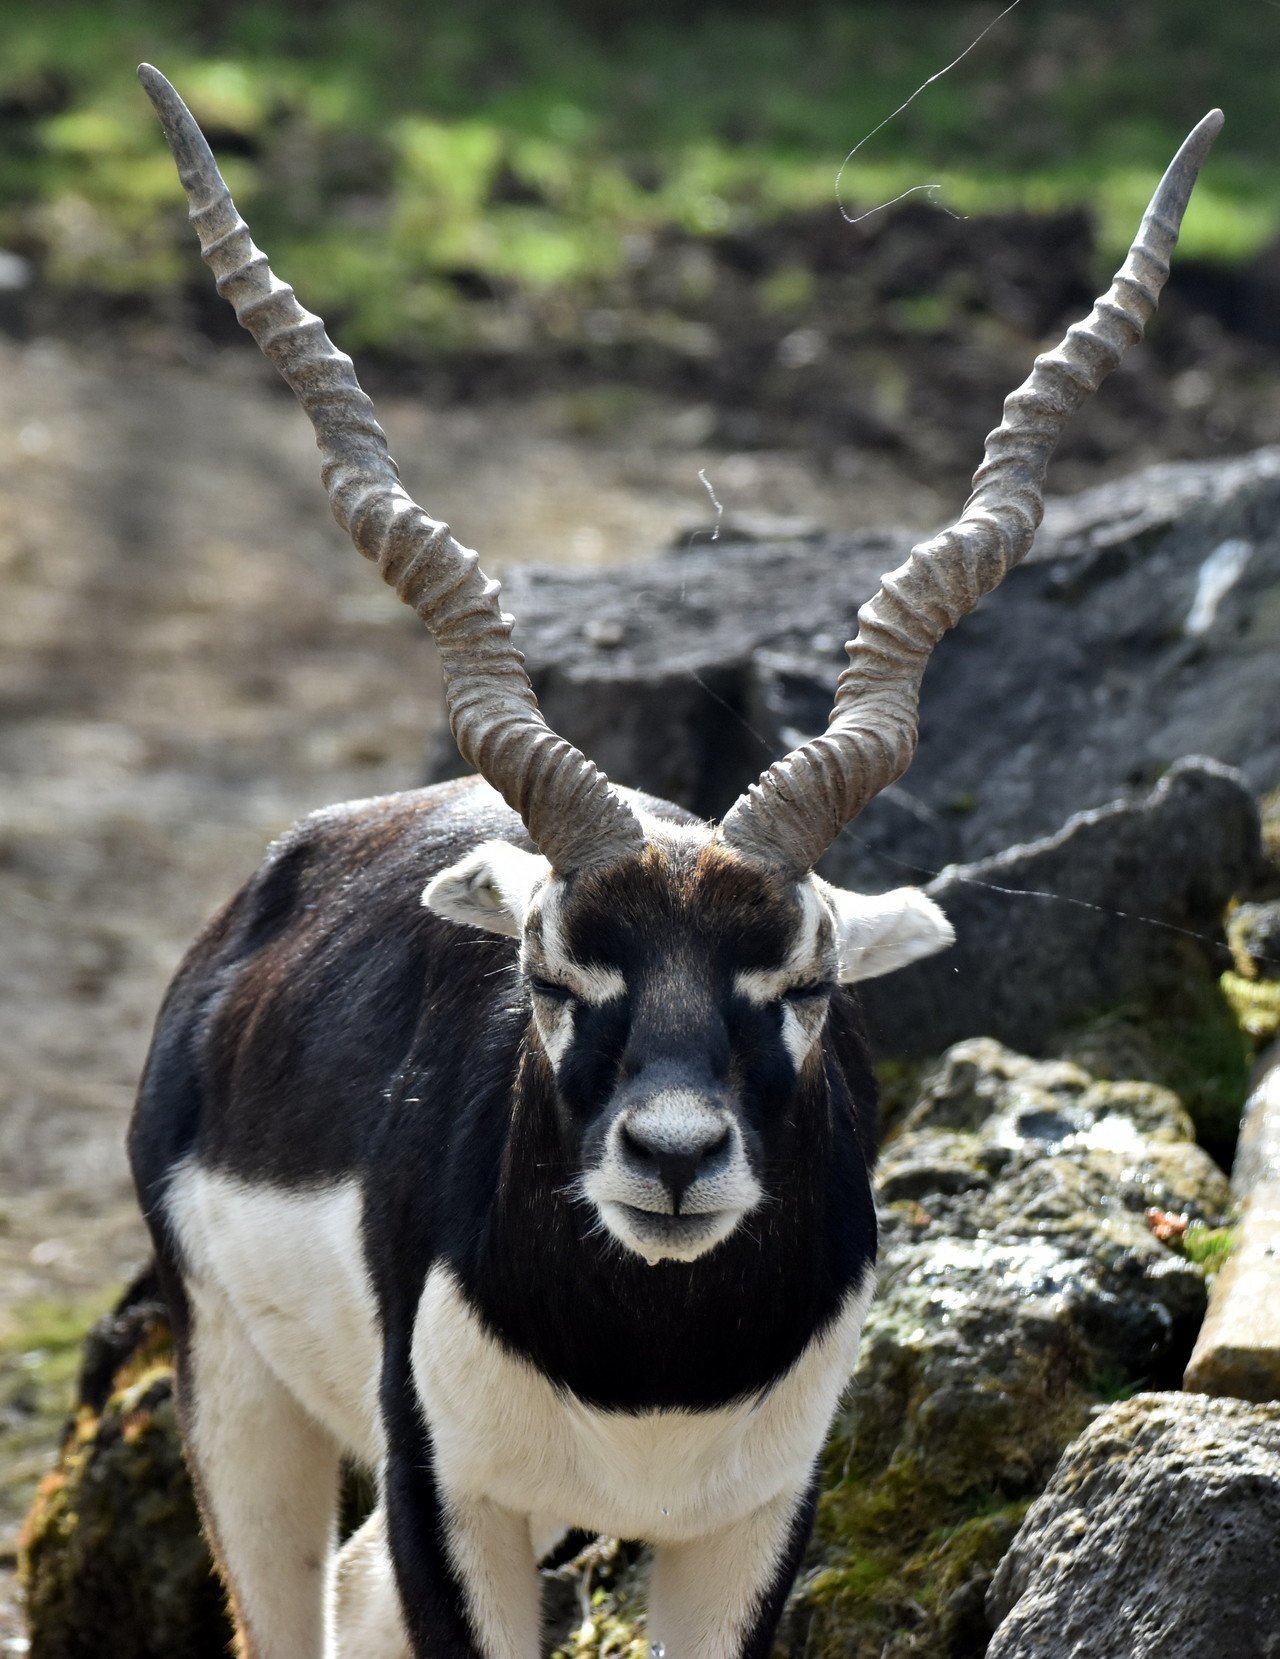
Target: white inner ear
{"x":877,"y":933}
{"x":490,"y":888}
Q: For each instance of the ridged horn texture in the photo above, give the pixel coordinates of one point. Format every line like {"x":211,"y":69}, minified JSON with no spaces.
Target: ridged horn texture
{"x":798,"y":807}
{"x":572,"y":813}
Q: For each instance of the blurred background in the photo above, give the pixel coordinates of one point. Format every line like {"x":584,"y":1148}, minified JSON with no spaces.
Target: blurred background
{"x":583,"y":253}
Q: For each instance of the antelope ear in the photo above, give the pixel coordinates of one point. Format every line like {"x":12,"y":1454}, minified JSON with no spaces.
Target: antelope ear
{"x":877,"y":933}
{"x":489,"y":888}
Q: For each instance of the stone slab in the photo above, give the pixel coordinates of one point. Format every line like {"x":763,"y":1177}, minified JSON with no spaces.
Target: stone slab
{"x":1238,"y":1351}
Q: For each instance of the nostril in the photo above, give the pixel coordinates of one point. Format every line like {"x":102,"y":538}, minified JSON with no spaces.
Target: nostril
{"x":635,"y":1149}
{"x":718,"y":1148}
{"x":677,"y":1162}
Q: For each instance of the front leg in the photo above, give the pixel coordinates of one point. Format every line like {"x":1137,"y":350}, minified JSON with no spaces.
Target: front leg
{"x":721,"y":1596}
{"x":464,"y":1566}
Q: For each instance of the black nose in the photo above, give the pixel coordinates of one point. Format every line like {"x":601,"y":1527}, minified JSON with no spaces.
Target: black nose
{"x":676,"y":1163}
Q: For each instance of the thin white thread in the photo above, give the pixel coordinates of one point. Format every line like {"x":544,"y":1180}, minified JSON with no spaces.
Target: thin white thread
{"x":1057,"y":898}
{"x":715,"y":502}
{"x":730,"y":710}
{"x":849,"y":219}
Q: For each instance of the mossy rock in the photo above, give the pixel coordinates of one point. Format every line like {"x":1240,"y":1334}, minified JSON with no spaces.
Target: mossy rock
{"x":1195,"y":1044}
{"x":112,"y":1542}
{"x":1020,"y":1288}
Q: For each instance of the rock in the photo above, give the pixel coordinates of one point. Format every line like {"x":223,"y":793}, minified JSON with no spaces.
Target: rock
{"x":1143,"y":627}
{"x":1020,"y":1286}
{"x":1254,"y":936}
{"x":1158,"y":1535}
{"x":1238,"y":1351}
{"x":1122,"y":905}
{"x":112,"y":1542}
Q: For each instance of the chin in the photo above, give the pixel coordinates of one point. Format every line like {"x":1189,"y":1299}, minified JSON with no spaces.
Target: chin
{"x":658,"y":1236}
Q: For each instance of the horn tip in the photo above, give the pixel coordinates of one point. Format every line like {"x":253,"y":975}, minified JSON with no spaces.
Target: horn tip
{"x":1208,"y":128}
{"x":159,"y":89}
{"x":1204,"y":132}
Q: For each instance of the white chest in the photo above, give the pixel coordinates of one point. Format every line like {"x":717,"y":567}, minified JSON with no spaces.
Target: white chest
{"x":292,"y":1266}
{"x":502,"y":1431}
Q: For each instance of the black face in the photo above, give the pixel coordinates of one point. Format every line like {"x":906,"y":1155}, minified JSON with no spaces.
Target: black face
{"x":679,"y":999}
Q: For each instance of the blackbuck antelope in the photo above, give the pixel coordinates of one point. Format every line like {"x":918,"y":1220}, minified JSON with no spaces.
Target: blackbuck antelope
{"x":513,"y":1136}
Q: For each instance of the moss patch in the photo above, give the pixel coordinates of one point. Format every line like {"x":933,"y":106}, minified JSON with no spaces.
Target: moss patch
{"x":605,"y":1585}
{"x":113,"y":1543}
{"x":1255,"y":1004}
{"x":39,"y":1360}
{"x":1194,"y":1045}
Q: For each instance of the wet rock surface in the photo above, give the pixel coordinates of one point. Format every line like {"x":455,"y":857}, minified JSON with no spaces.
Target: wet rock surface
{"x":1159,"y":1534}
{"x":1020,"y":1286}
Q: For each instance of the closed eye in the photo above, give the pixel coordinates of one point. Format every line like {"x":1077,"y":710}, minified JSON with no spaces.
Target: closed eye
{"x":808,"y":992}
{"x":549,"y":988}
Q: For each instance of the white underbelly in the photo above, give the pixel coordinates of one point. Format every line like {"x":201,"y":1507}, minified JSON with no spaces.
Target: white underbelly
{"x":500,"y":1430}
{"x":292,"y":1266}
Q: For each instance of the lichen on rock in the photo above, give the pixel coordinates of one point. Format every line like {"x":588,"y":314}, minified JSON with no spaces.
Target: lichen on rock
{"x":1159,"y":1533}
{"x":1020,"y":1286}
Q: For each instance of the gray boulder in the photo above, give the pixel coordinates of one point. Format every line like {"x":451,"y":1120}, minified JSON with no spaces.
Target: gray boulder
{"x":1158,"y":1535}
{"x":1122,"y":905}
{"x":1020,"y":1286}
{"x":1143,"y":627}
{"x":1254,"y":936}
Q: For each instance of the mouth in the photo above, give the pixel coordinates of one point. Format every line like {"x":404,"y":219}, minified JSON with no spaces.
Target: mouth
{"x":658,"y":1235}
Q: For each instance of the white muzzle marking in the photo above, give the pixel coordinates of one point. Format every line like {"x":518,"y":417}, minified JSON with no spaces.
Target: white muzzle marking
{"x":636,"y":1205}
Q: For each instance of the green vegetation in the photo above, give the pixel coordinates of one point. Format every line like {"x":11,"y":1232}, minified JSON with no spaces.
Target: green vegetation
{"x":1255,"y":1003}
{"x":39,"y":1362}
{"x":1208,"y":1247}
{"x":411,"y":168}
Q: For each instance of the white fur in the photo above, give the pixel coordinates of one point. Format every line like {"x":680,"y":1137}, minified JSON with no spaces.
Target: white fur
{"x":492,"y":1553}
{"x":286,"y":1348}
{"x":503,"y":1432}
{"x":367,"y":1618}
{"x":801,"y":1027}
{"x":587,"y":981}
{"x":704,"y":1594}
{"x":555,"y":1026}
{"x":490,"y":888}
{"x":268,"y":1479}
{"x":880,"y":932}
{"x":291,"y":1265}
{"x":712,"y":1205}
{"x":809,"y":957}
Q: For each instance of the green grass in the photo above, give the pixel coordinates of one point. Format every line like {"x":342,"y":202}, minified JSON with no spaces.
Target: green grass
{"x":40,"y":1352}
{"x":387,"y":149}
